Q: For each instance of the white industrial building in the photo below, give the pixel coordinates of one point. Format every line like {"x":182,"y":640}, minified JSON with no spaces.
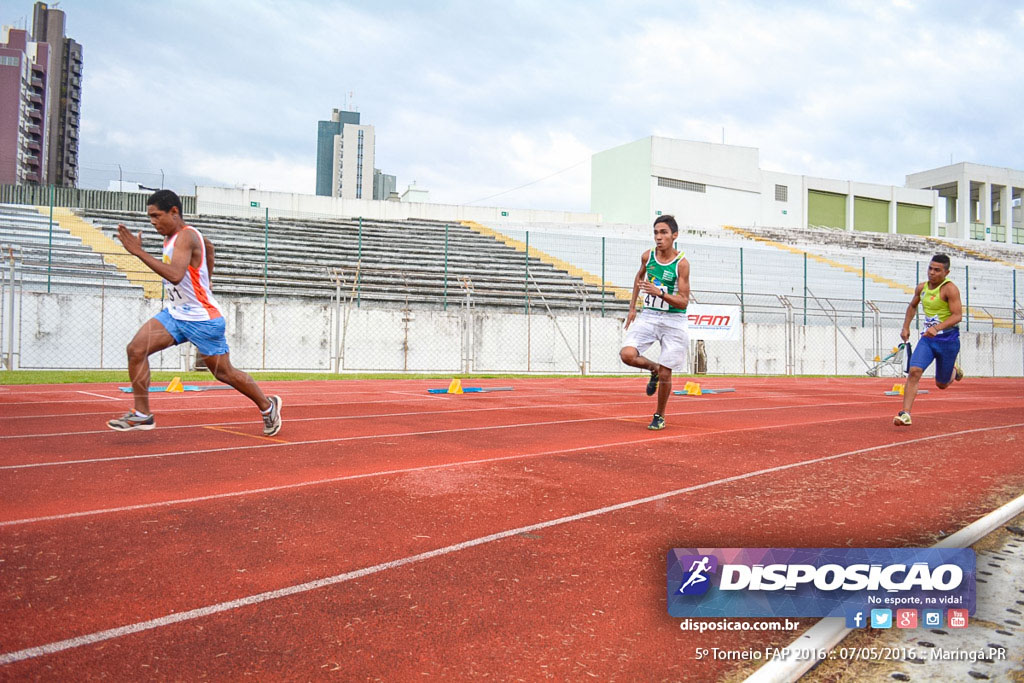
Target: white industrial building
{"x":714,"y":184}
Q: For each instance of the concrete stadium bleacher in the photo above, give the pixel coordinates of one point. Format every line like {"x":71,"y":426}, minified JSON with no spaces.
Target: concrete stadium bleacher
{"x":400,"y":263}
{"x":774,"y":265}
{"x":54,"y":260}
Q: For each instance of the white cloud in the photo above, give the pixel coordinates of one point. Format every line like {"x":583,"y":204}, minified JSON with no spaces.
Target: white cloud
{"x":471,"y":100}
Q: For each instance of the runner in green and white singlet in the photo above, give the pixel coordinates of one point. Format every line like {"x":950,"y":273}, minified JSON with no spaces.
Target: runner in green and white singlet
{"x":664,"y":281}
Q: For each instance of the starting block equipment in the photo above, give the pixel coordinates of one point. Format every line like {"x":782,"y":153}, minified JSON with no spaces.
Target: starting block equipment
{"x":456,"y":388}
{"x":694,"y":389}
{"x":176,"y":387}
{"x":898,"y":390}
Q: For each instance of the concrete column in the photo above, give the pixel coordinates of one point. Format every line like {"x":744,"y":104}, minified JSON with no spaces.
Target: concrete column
{"x":892,"y":210}
{"x":849,"y":205}
{"x":937,"y":201}
{"x":963,"y":208}
{"x":803,"y":202}
{"x":1006,"y":211}
{"x":985,"y":208}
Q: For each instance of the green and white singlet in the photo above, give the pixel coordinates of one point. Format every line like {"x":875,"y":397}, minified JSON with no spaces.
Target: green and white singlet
{"x":662,"y":275}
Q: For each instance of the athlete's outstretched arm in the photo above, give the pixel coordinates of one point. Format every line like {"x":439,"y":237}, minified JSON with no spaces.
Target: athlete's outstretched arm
{"x":209,"y":255}
{"x":172,"y":272}
{"x":641,"y":276}
{"x":911,"y":312}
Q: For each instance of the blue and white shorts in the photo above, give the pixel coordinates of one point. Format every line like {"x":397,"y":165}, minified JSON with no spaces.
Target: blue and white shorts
{"x":207,"y":335}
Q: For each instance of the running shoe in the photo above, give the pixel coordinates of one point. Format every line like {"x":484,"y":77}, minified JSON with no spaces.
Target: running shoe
{"x":131,"y":421}
{"x":958,"y":373}
{"x":652,"y":383}
{"x":657,"y":423}
{"x":272,"y":420}
{"x":902,"y":419}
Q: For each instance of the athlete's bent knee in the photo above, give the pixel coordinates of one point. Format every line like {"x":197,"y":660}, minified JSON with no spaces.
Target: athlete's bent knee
{"x":942,"y":385}
{"x":627,"y":354}
{"x":664,"y":374}
{"x":136,"y":351}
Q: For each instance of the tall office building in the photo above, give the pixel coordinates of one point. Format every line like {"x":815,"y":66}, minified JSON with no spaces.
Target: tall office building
{"x":344,"y":159}
{"x":23,"y":120}
{"x":63,"y":95}
{"x":383,"y":185}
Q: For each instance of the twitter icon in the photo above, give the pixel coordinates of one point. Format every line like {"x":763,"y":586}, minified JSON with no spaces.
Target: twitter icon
{"x":881,"y":618}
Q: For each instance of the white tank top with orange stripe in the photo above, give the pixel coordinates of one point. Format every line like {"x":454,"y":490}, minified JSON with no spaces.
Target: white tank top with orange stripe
{"x":192,"y":298}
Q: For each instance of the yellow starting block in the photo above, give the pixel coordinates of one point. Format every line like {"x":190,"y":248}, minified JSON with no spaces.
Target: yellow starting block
{"x":456,"y":386}
{"x":898,"y":388}
{"x":175,"y":386}
{"x":692,"y":389}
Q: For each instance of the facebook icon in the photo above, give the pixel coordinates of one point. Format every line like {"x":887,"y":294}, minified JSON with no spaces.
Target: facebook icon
{"x":856,"y":619}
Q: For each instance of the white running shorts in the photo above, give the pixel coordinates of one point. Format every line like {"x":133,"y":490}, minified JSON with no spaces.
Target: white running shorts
{"x":669,"y":329}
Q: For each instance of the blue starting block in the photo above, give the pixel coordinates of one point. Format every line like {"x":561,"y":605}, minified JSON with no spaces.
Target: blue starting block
{"x":471,"y":390}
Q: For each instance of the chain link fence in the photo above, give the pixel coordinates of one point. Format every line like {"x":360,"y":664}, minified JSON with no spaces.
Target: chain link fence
{"x":320,"y":293}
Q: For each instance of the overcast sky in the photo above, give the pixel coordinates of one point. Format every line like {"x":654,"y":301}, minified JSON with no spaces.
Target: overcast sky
{"x":472,"y":99}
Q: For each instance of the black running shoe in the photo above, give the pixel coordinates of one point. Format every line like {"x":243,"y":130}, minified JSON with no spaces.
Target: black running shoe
{"x":131,"y":421}
{"x":652,"y":383}
{"x":658,"y":422}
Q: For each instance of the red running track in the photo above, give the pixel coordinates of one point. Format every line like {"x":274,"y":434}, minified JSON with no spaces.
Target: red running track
{"x":388,"y":533}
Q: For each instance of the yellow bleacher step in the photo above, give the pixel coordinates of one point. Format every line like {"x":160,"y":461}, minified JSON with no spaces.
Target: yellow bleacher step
{"x":974,"y":313}
{"x":112,"y":252}
{"x":974,"y":252}
{"x":586,"y":276}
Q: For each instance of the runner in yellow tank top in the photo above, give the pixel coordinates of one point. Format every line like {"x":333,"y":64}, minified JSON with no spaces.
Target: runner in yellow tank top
{"x":940,"y":341}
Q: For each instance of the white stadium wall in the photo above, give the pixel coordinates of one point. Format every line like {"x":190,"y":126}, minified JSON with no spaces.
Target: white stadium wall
{"x":247,"y":203}
{"x":90,"y":331}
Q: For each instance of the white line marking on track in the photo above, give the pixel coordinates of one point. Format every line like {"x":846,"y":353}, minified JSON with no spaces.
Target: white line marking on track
{"x":423,"y":468}
{"x":364,"y":437}
{"x":109,"y":398}
{"x":198,"y":613}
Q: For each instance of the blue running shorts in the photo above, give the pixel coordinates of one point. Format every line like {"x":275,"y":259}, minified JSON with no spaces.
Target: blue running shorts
{"x":942,"y":350}
{"x":207,"y":335}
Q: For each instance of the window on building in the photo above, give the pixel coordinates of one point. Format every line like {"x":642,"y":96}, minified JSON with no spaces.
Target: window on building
{"x":781,"y":193}
{"x":682,"y":185}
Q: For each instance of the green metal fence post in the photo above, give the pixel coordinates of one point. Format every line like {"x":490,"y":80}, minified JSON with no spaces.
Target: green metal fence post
{"x":743,"y":314}
{"x":917,"y":280}
{"x":526,"y":277}
{"x":602,"y":278}
{"x":967,"y":287}
{"x":863,"y":288}
{"x":805,"y":288}
{"x":49,"y":250}
{"x":446,"y":266}
{"x":359,"y":266}
{"x":266,"y":249}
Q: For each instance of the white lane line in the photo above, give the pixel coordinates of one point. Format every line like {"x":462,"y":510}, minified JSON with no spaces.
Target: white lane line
{"x":241,"y":400}
{"x":109,"y":398}
{"x":364,"y":437}
{"x":375,"y":416}
{"x":198,"y":613}
{"x":422,"y":468}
